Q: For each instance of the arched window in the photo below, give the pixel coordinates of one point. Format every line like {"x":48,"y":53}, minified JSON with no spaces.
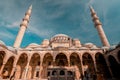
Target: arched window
{"x":37,"y":74}
{"x":48,"y":74}
{"x":69,"y":73}
{"x":54,"y":73}
{"x":62,"y":72}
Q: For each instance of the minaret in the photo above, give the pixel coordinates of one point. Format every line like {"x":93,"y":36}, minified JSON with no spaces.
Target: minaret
{"x":99,"y":28}
{"x":23,"y":27}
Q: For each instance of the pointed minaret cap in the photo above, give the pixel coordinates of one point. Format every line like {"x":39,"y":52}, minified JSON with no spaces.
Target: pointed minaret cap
{"x":30,"y":6}
{"x":95,"y":18}
{"x":29,"y":10}
{"x":27,"y":17}
{"x":91,"y":9}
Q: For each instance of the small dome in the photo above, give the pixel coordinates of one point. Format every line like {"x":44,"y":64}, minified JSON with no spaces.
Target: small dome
{"x":1,"y":42}
{"x":93,"y":47}
{"x":83,"y":48}
{"x":45,"y":42}
{"x":11,"y":48}
{"x":33,"y":44}
{"x":113,"y":46}
{"x":90,"y":45}
{"x":105,"y":47}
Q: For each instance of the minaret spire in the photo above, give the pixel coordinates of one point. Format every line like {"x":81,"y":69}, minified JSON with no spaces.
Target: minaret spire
{"x":99,"y":28}
{"x":23,"y":27}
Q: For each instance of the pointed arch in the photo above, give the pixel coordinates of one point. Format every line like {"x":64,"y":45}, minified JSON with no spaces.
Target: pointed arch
{"x":34,"y":63}
{"x":47,"y":61}
{"x":2,"y":56}
{"x":88,"y":63}
{"x":17,"y":71}
{"x":61,"y":60}
{"x":8,"y":68}
{"x":115,"y":67}
{"x":102,"y":68}
{"x":64,"y":53}
{"x":75,"y":61}
{"x":22,"y":61}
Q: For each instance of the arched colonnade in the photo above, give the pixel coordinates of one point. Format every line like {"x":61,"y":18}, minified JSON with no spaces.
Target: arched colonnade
{"x":32,"y":65}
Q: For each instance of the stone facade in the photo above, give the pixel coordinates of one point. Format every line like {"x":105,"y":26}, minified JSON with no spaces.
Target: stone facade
{"x":60,"y":58}
{"x":35,"y":60}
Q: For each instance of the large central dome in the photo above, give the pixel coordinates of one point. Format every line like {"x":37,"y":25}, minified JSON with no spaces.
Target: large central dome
{"x":59,"y":35}
{"x":60,"y":38}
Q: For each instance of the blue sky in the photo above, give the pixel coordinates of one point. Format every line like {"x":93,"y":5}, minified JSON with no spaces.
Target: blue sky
{"x":50,"y":17}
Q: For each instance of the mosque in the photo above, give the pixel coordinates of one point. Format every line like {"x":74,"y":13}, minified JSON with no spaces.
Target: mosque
{"x":60,"y":58}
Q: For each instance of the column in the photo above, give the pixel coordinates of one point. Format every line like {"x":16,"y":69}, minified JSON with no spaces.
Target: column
{"x":1,"y":70}
{"x":81,"y":62}
{"x":13,"y":71}
{"x":26,"y":69}
{"x":108,"y":65}
{"x":95,"y":64}
{"x":40,"y":69}
{"x":68,"y":61}
{"x":54,"y":64}
{"x":3,"y":65}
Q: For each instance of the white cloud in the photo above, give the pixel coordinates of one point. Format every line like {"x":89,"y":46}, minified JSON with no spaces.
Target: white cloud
{"x":14,"y":24}
{"x":41,"y":32}
{"x":43,"y":25}
{"x":6,"y":35}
